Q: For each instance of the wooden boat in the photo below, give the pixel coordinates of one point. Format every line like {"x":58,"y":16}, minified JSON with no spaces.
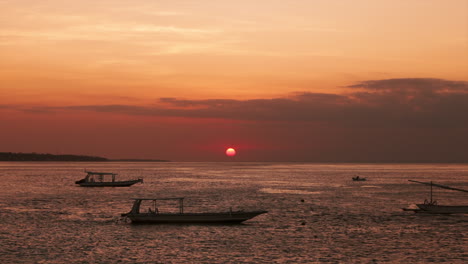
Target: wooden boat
{"x":153,"y":216}
{"x":432,"y":207}
{"x":97,"y":179}
{"x":357,"y":178}
{"x":443,"y":209}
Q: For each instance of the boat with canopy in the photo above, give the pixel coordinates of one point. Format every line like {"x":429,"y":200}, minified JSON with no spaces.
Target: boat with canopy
{"x":104,"y":179}
{"x":153,"y":216}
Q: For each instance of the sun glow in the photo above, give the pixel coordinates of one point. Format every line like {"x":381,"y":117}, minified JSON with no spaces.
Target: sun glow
{"x":230,"y":152}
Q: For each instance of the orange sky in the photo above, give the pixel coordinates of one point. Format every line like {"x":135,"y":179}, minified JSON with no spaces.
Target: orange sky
{"x":67,"y":66}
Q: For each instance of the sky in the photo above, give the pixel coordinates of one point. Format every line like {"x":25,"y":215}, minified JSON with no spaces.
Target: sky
{"x":299,"y":80}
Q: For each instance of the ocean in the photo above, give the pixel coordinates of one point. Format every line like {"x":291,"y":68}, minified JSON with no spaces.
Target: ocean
{"x":316,"y":213}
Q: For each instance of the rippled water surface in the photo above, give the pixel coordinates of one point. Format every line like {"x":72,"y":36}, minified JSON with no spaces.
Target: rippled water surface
{"x":316,"y":214}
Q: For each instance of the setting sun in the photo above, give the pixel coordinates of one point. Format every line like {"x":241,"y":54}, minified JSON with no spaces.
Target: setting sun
{"x":230,"y":152}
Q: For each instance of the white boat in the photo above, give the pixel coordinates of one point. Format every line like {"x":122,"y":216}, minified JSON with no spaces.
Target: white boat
{"x":153,"y":216}
{"x":432,"y":207}
{"x":98,"y":179}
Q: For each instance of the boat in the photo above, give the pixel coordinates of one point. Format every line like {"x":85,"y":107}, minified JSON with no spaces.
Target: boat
{"x":432,"y":207}
{"x":153,"y":216}
{"x":98,"y":179}
{"x":357,"y":178}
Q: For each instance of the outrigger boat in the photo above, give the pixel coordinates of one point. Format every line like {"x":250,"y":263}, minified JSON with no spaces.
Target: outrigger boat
{"x":97,"y":179}
{"x":431,"y":206}
{"x":153,"y":216}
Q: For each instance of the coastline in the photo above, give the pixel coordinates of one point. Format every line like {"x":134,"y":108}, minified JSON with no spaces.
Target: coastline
{"x":46,"y":157}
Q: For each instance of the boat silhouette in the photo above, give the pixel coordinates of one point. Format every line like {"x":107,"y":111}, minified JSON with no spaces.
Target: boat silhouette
{"x":431,"y":206}
{"x":153,"y":216}
{"x":100,"y":179}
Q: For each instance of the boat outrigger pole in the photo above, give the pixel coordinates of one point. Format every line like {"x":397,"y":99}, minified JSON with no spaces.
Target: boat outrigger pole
{"x":440,"y":186}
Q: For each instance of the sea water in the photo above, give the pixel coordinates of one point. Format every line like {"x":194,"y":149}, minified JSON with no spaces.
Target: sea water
{"x":316,"y":214}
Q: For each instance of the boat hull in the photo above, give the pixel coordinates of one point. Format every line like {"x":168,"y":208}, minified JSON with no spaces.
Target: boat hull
{"x":191,"y":218}
{"x":109,"y":184}
{"x":358,"y":178}
{"x":443,"y":209}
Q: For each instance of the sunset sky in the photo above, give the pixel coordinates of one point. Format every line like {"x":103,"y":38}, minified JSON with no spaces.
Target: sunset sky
{"x":298,"y":80}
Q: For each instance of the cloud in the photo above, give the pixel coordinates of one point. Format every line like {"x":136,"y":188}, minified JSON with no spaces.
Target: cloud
{"x":377,"y":103}
{"x":413,"y":85}
{"x":147,"y":28}
{"x":101,"y":32}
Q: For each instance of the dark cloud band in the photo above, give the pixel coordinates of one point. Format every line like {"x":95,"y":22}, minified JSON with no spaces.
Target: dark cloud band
{"x":410,"y":102}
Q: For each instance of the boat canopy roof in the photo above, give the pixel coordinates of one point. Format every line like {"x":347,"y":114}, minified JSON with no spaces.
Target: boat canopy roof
{"x":100,"y":173}
{"x":163,"y":198}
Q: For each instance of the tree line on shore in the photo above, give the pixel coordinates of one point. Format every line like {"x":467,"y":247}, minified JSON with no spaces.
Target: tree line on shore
{"x":11,"y":156}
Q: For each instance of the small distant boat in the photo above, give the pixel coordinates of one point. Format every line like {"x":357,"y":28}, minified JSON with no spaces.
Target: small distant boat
{"x":432,"y":207}
{"x":153,"y":216}
{"x":98,"y":179}
{"x":357,"y":178}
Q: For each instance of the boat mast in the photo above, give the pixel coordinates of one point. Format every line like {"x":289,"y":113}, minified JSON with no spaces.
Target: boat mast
{"x":181,"y":205}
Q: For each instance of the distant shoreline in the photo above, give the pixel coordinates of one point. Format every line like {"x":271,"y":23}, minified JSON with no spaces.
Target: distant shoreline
{"x":137,"y":160}
{"x":46,"y":157}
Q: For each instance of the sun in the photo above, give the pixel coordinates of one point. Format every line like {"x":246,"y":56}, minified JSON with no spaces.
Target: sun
{"x":230,"y":152}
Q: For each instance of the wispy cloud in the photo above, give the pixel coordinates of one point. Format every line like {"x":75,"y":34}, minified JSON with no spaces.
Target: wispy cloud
{"x":413,"y":85}
{"x":89,"y":32}
{"x":148,"y":28}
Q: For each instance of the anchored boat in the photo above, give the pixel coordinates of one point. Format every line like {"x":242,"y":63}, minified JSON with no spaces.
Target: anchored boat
{"x":101,"y":179}
{"x":432,"y":207}
{"x":357,"y":178}
{"x":153,"y":215}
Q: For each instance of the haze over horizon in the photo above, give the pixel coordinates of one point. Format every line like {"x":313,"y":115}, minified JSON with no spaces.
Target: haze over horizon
{"x":330,"y":80}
